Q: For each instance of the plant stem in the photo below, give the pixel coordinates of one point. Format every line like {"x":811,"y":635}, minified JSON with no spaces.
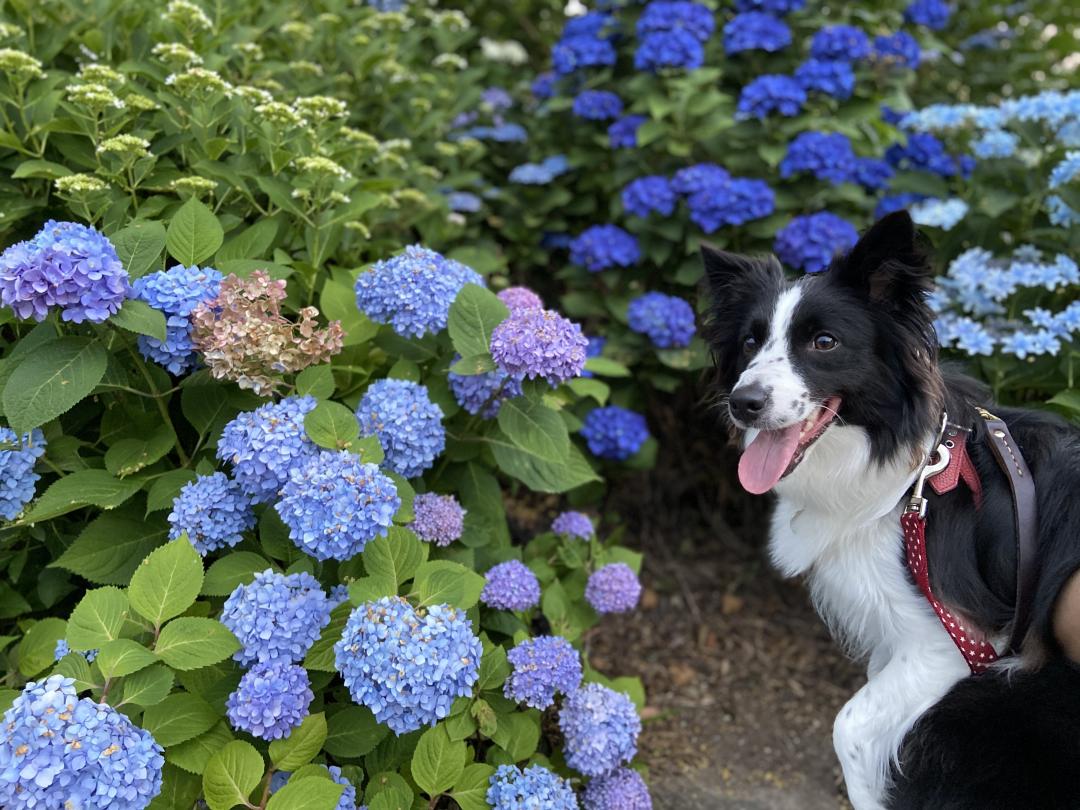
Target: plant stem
{"x":163,"y":409}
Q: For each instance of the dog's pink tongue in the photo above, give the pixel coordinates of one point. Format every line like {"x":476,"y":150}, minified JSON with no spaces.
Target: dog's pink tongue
{"x":764,"y":462}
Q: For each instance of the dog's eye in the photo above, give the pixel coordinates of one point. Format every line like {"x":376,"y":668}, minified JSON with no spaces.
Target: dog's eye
{"x":823,"y":342}
{"x":750,"y":344}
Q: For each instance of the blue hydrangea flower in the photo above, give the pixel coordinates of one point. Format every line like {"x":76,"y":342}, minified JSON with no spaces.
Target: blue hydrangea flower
{"x":833,"y":78}
{"x":408,"y":424}
{"x":603,"y":246}
{"x":900,"y":49}
{"x":277,"y":617}
{"x":601,"y":728}
{"x":271,"y":700}
{"x":597,"y":105}
{"x":66,"y":265}
{"x":667,"y":320}
{"x":1067,"y":170}
{"x":511,"y":586}
{"x":592,"y":24}
{"x":933,"y":14}
{"x":699,"y":177}
{"x":501,"y":133}
{"x":413,"y":291}
{"x":574,"y":53}
{"x":175,"y":293}
{"x":536,"y":787}
{"x":872,"y":174}
{"x":840,"y":43}
{"x":408,"y":665}
{"x":334,"y":504}
{"x":733,"y":203}
{"x":496,"y":98}
{"x":464,"y":202}
{"x":348,"y":796}
{"x":61,"y":751}
{"x":539,"y":174}
{"x":769,"y":94}
{"x":541,"y":667}
{"x":827,"y":156}
{"x":997,"y":143}
{"x":676,"y":15}
{"x":944,"y":214}
{"x":338,"y":595}
{"x":926,"y":152}
{"x":438,"y":519}
{"x":810,"y":242}
{"x":213,"y":511}
{"x":264,"y":444}
{"x":1060,"y":212}
{"x":1068,"y":135}
{"x":1022,"y":344}
{"x":623,"y":133}
{"x":945,"y":118}
{"x":573,"y":524}
{"x":520,"y":298}
{"x":543,"y":86}
{"x":484,"y":393}
{"x":17,"y":477}
{"x":622,"y":789}
{"x":669,"y":49}
{"x":539,"y":343}
{"x":614,"y":588}
{"x":647,"y":194}
{"x":755,"y":31}
{"x":778,"y":7}
{"x":614,"y":433}
{"x":61,"y":649}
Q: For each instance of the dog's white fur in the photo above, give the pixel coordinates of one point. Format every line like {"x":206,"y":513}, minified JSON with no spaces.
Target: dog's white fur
{"x":837,"y":522}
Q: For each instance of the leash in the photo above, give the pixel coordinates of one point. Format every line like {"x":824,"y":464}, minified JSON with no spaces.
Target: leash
{"x":943,"y":469}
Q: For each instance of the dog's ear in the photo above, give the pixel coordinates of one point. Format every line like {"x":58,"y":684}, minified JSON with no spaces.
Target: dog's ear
{"x":887,"y":263}
{"x":729,"y":274}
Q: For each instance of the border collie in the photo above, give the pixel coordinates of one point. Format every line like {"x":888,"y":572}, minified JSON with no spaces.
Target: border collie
{"x":833,"y":387}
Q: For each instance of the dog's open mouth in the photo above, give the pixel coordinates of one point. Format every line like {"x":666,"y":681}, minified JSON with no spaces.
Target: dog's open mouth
{"x":774,"y":454}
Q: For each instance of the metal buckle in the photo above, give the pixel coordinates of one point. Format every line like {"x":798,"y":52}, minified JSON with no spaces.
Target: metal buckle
{"x":937,"y":461}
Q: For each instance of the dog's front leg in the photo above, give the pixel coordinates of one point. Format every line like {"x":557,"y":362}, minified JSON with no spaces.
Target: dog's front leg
{"x":869,"y":729}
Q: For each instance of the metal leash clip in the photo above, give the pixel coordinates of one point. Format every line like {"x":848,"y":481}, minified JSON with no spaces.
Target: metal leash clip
{"x":935,"y":463}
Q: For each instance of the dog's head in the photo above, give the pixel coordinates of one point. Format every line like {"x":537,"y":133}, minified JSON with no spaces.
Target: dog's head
{"x":852,"y":346}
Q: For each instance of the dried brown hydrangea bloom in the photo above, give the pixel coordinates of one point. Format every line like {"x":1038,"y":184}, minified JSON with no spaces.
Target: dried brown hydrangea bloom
{"x":243,"y":336}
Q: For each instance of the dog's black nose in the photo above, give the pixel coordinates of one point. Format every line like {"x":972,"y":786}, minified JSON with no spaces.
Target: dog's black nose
{"x":748,"y":401}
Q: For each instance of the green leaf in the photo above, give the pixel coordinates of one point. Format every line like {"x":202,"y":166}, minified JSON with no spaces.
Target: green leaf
{"x":332,"y":425}
{"x":36,"y":649}
{"x":204,"y":405}
{"x":535,"y":428}
{"x":541,"y":474}
{"x":139,"y":247}
{"x":321,"y":655}
{"x":251,"y":243}
{"x":122,"y":656}
{"x":164,"y":490}
{"x":167,"y":582}
{"x":307,"y":794}
{"x":316,"y":381}
{"x":73,"y":665}
{"x":97,"y":619}
{"x":78,"y":489}
{"x":353,"y":732}
{"x":518,"y":734}
{"x":179,"y":789}
{"x":485,"y":718}
{"x":470,"y":790}
{"x":447,"y":582}
{"x":139,"y":317}
{"x":606,"y":367}
{"x":194,"y":754}
{"x":231,"y":774}
{"x":190,"y":643}
{"x":438,"y":762}
{"x":111,"y":547}
{"x":302,"y":744}
{"x":40,"y":168}
{"x":494,"y":668}
{"x":178,"y":718}
{"x":474,"y":315}
{"x":237,"y":568}
{"x":130,"y":455}
{"x":392,"y":799}
{"x":396,"y":556}
{"x":369,"y":589}
{"x":470,"y":366}
{"x":51,"y":380}
{"x":194,"y":233}
{"x":147,"y":687}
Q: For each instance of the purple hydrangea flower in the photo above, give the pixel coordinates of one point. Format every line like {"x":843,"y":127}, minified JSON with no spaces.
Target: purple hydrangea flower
{"x":667,"y":320}
{"x":613,"y":588}
{"x":271,"y":700}
{"x":496,"y":98}
{"x":614,"y":433}
{"x":900,"y":49}
{"x":755,"y":31}
{"x":602,"y":246}
{"x":175,"y":293}
{"x":536,"y":787}
{"x":66,"y":265}
{"x":669,"y":49}
{"x":335,"y":504}
{"x":407,"y":423}
{"x":735,"y":202}
{"x":811,"y":242}
{"x":17,"y":477}
{"x":539,"y":343}
{"x":934,"y":14}
{"x":699,"y":177}
{"x":573,"y":524}
{"x":840,"y":43}
{"x":622,"y":789}
{"x":484,"y":393}
{"x":277,"y":617}
{"x":540,"y":668}
{"x":771,"y":93}
{"x":601,"y":728}
{"x":213,"y":512}
{"x":574,"y":53}
{"x":833,"y":78}
{"x":623,"y":133}
{"x":676,"y":15}
{"x":597,"y":105}
{"x":406,"y":665}
{"x":439,"y":519}
{"x":520,"y":298}
{"x":827,"y":156}
{"x":647,"y":194}
{"x":511,"y":586}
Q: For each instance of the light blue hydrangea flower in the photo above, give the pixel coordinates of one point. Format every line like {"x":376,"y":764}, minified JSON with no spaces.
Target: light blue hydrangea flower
{"x":277,"y":617}
{"x":997,"y":143}
{"x":438,"y":519}
{"x":1065,"y":171}
{"x":601,"y":728}
{"x":271,"y":700}
{"x":540,"y":668}
{"x":613,"y":588}
{"x":175,"y":293}
{"x":540,"y":174}
{"x":532,"y":789}
{"x":944,"y":214}
{"x":511,"y":586}
{"x":614,"y":433}
{"x":407,"y":423}
{"x":17,"y":477}
{"x":213,"y":511}
{"x":1061,"y":213}
{"x":622,"y":789}
{"x":667,"y":320}
{"x":1023,"y":344}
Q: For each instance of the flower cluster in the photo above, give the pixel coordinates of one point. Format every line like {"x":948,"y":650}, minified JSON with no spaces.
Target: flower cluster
{"x":212,"y":511}
{"x":613,"y":588}
{"x":927,"y":153}
{"x":438,"y":519}
{"x":585,"y":43}
{"x":540,"y":174}
{"x":899,"y":50}
{"x":944,"y":214}
{"x":833,"y":78}
{"x":276,"y":617}
{"x":334,"y":504}
{"x":539,"y":343}
{"x":67,"y":266}
{"x":614,"y":433}
{"x":811,"y":242}
{"x":771,"y":93}
{"x":485,"y":393}
{"x":601,"y":728}
{"x":62,"y":751}
{"x":264,"y":444}
{"x":623,"y":133}
{"x":672,"y":34}
{"x":511,"y":586}
{"x":408,"y":665}
{"x":645,"y":195}
{"x":933,"y":14}
{"x":597,"y":105}
{"x":541,"y":667}
{"x":175,"y":293}
{"x":622,"y":789}
{"x":573,"y":524}
{"x":536,"y":787}
{"x":668,"y":321}
{"x":755,"y":30}
{"x":604,"y":246}
{"x":407,"y":423}
{"x":18,"y":455}
{"x":412,"y":292}
{"x":243,"y":336}
{"x":520,"y":298}
{"x":826,"y":156}
{"x":271,"y":700}
{"x":840,"y":43}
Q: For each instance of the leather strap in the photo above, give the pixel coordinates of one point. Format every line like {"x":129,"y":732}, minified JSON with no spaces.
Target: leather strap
{"x":1025,"y":513}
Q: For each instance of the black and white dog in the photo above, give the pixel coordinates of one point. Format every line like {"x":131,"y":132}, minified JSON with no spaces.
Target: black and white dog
{"x":833,"y":385}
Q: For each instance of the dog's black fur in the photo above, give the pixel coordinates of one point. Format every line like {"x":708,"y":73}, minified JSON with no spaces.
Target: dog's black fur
{"x":993,"y":741}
